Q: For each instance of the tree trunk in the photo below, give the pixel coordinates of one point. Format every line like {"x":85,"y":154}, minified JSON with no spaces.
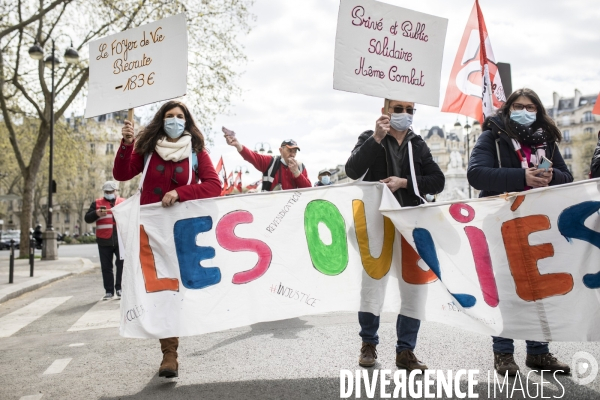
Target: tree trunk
{"x":30,"y":177}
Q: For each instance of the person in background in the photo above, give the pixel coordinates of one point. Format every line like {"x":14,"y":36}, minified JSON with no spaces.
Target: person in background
{"x":281,"y":172}
{"x":324,"y":178}
{"x":383,"y":155}
{"x":595,"y":165}
{"x":169,"y":143}
{"x":107,"y":237}
{"x":505,"y":159}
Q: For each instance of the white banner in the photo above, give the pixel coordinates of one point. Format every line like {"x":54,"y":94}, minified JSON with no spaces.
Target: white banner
{"x":215,"y":264}
{"x":138,"y":66}
{"x":389,"y":52}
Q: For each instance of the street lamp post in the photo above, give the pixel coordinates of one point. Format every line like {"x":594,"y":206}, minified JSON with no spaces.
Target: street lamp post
{"x":260,"y":148}
{"x":49,"y":250}
{"x":467,"y":127}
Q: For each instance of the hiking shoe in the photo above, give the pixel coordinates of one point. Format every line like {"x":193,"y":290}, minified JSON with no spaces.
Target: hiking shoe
{"x":546,"y":362}
{"x":119,"y":293}
{"x":368,"y":355}
{"x":407,"y":360}
{"x":108,"y":296}
{"x":504,"y":363}
{"x":169,"y":367}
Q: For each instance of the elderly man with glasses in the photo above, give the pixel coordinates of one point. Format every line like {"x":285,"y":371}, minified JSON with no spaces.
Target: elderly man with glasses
{"x":384,"y":155}
{"x":281,"y":172}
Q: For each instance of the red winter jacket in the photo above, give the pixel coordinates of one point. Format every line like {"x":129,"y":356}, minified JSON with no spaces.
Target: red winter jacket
{"x":283,"y":176}
{"x":163,"y":176}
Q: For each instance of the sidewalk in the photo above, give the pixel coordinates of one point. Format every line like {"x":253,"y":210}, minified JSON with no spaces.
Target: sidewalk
{"x":44,"y":273}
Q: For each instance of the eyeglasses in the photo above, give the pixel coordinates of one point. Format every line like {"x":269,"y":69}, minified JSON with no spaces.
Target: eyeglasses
{"x":528,"y":107}
{"x":400,"y":110}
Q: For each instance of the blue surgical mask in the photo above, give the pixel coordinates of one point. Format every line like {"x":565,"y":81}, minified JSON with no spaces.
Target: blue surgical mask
{"x":109,"y":196}
{"x":523,"y":117}
{"x":325,"y":180}
{"x":174,"y":127}
{"x":401,"y":121}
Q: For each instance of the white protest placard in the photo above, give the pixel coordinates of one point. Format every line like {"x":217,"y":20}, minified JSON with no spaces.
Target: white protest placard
{"x":389,"y":52}
{"x":138,"y":66}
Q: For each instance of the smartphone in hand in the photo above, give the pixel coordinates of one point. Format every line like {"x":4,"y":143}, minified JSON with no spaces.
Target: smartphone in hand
{"x":228,"y":132}
{"x":544,"y":163}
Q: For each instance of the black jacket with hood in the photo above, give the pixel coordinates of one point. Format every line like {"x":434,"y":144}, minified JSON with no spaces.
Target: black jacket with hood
{"x":376,"y":158}
{"x":495,"y":168}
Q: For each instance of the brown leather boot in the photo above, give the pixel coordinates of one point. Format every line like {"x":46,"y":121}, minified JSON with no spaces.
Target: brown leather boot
{"x":368,"y":355}
{"x":169,"y":366}
{"x":546,"y":362}
{"x":407,"y":360}
{"x":504,"y":363}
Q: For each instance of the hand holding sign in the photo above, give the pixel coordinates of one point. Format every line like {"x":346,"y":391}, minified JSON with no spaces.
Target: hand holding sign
{"x":127,"y":132}
{"x":229,"y":136}
{"x":382,"y":127}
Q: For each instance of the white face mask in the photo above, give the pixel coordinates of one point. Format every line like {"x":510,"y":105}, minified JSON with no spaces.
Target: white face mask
{"x":325,"y":180}
{"x":401,"y":121}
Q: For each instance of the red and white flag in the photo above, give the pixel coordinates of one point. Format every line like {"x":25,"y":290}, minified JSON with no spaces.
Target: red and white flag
{"x":220,"y":168}
{"x":254,"y":185}
{"x":474,"y":88}
{"x":237,"y":183}
{"x":229,"y":188}
{"x":596,"y":109}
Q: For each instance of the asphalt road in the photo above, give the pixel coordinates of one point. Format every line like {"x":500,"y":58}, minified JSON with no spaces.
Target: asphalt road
{"x":73,"y":351}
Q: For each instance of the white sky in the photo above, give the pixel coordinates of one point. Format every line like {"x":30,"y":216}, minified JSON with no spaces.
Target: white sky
{"x":288,"y":81}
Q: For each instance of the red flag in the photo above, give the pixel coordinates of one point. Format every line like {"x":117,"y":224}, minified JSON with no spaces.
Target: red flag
{"x":220,"y":168}
{"x":229,"y":188}
{"x":474,"y":88}
{"x":253,"y":185}
{"x":596,"y":109}
{"x":237,"y":183}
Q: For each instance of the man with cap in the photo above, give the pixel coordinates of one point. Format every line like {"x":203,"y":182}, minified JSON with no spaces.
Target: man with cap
{"x":324,"y":178}
{"x":280,"y":172}
{"x":106,"y":237}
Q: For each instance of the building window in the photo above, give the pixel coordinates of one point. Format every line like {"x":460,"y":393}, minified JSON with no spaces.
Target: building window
{"x":570,"y":168}
{"x":67,"y":217}
{"x":92,"y":148}
{"x":588,"y":131}
{"x":566,"y":120}
{"x":436,"y":159}
{"x":567,"y":135}
{"x":568,"y":155}
{"x":588,"y":117}
{"x":109,"y":148}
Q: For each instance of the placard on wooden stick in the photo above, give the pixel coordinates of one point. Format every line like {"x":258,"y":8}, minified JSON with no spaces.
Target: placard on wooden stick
{"x":389,"y":52}
{"x":138,"y":66}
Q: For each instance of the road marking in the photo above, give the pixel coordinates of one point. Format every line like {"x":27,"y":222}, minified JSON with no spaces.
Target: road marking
{"x":104,"y":314}
{"x":32,"y":397}
{"x":57,"y":366}
{"x":76,"y":344}
{"x":17,"y":320}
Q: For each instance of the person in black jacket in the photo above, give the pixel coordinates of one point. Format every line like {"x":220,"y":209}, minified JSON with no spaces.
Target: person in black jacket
{"x":106,"y":237}
{"x":504,"y":160}
{"x":383,"y":155}
{"x":595,"y":165}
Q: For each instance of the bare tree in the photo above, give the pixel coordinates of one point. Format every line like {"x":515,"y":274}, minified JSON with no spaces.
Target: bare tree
{"x":213,"y":27}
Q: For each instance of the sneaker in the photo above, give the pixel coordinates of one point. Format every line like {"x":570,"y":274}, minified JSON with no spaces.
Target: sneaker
{"x":504,"y":363}
{"x":368,"y":355}
{"x":108,"y":296}
{"x":119,"y":293}
{"x":546,"y":362}
{"x":407,"y":360}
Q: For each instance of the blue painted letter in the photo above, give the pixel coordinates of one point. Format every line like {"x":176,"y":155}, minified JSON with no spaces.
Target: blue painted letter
{"x":189,"y":255}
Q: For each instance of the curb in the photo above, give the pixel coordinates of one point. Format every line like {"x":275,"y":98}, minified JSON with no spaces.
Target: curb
{"x":86,"y":267}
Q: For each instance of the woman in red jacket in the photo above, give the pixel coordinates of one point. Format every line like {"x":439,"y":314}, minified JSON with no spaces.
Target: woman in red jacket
{"x":168,"y":144}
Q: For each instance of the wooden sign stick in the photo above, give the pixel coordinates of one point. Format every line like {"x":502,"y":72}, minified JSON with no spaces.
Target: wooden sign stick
{"x":130,"y":115}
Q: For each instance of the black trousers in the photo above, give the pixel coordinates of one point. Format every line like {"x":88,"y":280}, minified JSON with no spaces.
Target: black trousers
{"x":106,"y":263}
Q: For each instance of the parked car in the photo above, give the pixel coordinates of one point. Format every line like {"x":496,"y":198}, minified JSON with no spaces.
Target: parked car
{"x":7,"y":237}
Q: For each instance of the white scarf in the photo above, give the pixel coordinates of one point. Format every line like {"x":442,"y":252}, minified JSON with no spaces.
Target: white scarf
{"x":176,"y":151}
{"x":537,"y":151}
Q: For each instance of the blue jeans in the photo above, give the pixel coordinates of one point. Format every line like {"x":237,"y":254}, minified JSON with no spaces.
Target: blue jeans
{"x":503,"y":345}
{"x":407,"y":329}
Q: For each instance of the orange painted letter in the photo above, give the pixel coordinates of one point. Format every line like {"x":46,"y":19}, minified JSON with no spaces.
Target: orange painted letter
{"x":411,"y":272}
{"x":151,"y":279}
{"x":522,"y":258}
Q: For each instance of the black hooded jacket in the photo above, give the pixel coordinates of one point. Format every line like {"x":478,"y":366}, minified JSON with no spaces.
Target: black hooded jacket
{"x":485,"y":173}
{"x":376,"y":158}
{"x":595,"y":165}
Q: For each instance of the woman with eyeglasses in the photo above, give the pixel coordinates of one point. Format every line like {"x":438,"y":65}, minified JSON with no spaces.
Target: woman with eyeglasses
{"x":178,"y":169}
{"x":513,"y":143}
